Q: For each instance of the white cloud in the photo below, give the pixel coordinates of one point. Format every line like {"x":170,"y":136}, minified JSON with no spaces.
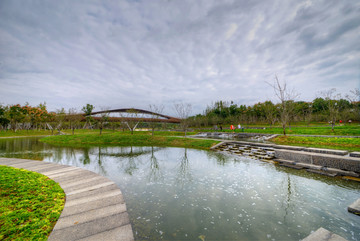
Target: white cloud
{"x":252,"y":32}
{"x":230,"y":32}
{"x":132,"y":53}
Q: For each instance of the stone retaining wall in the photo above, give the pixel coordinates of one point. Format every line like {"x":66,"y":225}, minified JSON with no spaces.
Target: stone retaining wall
{"x":326,"y":160}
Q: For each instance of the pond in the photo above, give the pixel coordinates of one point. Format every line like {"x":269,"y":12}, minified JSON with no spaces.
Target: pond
{"x":187,"y":194}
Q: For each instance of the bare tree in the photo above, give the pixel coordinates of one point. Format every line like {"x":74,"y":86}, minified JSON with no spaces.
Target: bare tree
{"x":155,"y":109}
{"x":104,"y":118}
{"x":286,"y":98}
{"x":60,"y":119}
{"x":354,"y":95}
{"x":354,"y":98}
{"x":183,"y":110}
{"x":133,"y":118}
{"x":74,"y":119}
{"x":332,"y":101}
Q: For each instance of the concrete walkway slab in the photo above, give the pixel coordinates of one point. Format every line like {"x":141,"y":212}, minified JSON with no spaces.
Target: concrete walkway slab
{"x":46,"y":168}
{"x":73,"y":177}
{"x":91,"y":188}
{"x":81,"y":182}
{"x":84,"y":230}
{"x":108,"y":194}
{"x":111,"y":235}
{"x":94,"y":207}
{"x":80,"y":208}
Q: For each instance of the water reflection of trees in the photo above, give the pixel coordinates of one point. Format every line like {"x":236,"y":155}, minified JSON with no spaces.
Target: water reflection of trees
{"x":134,"y":152}
{"x":289,"y":201}
{"x":184,"y":171}
{"x":85,"y":158}
{"x":131,"y":165}
{"x":155,"y":172}
{"x":220,"y":158}
{"x":26,"y":148}
{"x":99,"y":162}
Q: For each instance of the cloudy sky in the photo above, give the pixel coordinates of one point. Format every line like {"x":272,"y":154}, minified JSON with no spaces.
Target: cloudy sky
{"x":132,"y":53}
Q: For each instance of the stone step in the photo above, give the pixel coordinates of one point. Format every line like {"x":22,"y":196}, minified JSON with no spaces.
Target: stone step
{"x":326,"y":151}
{"x":355,"y":154}
{"x":291,"y":166}
{"x":355,"y":207}
{"x":322,"y":172}
{"x":285,"y":161}
{"x":341,"y":172}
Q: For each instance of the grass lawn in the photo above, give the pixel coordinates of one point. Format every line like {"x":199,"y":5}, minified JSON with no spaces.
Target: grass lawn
{"x":174,"y":139}
{"x":345,"y":130}
{"x":349,"y":144}
{"x":30,"y":204}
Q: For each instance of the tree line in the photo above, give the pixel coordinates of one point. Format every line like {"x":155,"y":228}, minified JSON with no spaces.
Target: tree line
{"x":26,"y":117}
{"x":330,"y":107}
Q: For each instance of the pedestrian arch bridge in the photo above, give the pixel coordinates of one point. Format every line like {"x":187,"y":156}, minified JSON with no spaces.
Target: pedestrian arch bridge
{"x":133,"y":114}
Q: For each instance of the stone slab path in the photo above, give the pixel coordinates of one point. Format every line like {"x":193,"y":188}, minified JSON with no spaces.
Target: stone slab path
{"x":94,"y":207}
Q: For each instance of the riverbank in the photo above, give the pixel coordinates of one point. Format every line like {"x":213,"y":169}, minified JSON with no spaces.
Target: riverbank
{"x":161,"y":139}
{"x":84,"y":137}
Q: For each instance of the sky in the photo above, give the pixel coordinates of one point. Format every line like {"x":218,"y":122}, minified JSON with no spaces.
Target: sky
{"x":133,"y":53}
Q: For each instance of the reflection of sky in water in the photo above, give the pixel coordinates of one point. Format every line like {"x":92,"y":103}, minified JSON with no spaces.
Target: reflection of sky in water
{"x":173,"y":193}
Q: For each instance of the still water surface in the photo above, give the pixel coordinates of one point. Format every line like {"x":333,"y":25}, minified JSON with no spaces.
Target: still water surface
{"x":186,"y":194}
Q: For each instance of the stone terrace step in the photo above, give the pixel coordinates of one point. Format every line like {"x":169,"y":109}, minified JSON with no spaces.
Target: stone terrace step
{"x":355,"y":207}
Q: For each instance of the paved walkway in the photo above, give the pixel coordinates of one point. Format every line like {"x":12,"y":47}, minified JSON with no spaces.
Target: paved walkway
{"x":94,"y":207}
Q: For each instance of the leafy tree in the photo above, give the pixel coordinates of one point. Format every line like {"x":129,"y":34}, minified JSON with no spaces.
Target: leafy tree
{"x":4,"y":121}
{"x":88,"y":110}
{"x":303,"y":110}
{"x":270,"y":112}
{"x":16,"y":115}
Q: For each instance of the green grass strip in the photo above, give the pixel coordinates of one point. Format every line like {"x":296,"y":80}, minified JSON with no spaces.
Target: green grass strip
{"x":349,"y":144}
{"x":30,"y":204}
{"x":345,"y":130}
{"x":121,"y":139}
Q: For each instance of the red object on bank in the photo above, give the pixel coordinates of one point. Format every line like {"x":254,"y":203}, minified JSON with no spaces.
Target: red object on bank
{"x":232,"y":127}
